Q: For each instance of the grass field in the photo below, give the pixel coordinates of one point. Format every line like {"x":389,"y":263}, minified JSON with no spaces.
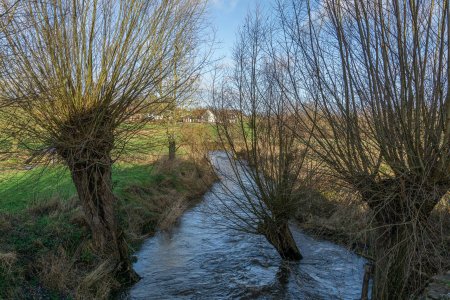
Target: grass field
{"x":21,"y":189}
{"x":45,"y":248}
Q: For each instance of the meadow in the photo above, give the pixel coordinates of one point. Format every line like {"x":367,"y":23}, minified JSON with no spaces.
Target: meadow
{"x":45,"y":246}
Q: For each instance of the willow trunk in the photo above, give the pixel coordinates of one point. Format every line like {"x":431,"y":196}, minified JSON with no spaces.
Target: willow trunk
{"x":401,"y":211}
{"x":280,"y":236}
{"x":92,"y":179}
{"x":172,"y":148}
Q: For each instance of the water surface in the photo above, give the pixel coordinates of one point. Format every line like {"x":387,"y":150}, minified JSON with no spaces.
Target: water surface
{"x":200,"y":259}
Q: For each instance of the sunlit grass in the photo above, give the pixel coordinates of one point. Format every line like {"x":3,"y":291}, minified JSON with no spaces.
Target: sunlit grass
{"x":20,"y":188}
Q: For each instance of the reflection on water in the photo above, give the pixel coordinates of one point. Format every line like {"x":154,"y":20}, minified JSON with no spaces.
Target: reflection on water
{"x":198,"y":259}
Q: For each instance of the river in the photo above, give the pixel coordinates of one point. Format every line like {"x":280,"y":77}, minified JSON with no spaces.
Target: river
{"x":200,"y":259}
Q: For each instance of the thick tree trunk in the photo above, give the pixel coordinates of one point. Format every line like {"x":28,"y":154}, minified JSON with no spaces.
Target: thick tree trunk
{"x":85,"y":144}
{"x":393,"y":253}
{"x":172,"y":148}
{"x":401,"y":210}
{"x":93,"y":184}
{"x":92,"y":179}
{"x":281,"y":238}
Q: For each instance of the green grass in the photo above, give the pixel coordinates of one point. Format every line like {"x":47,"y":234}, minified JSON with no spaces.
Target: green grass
{"x":21,"y":189}
{"x":151,"y":141}
{"x":50,"y":237}
{"x":39,"y":215}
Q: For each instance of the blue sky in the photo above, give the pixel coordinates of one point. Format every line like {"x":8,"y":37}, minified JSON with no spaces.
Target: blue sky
{"x":226,"y":16}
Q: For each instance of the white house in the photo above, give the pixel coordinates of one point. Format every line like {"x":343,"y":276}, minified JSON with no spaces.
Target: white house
{"x":209,"y":116}
{"x":200,"y":116}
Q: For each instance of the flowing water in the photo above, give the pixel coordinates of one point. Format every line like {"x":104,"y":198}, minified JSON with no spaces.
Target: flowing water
{"x":199,"y":259}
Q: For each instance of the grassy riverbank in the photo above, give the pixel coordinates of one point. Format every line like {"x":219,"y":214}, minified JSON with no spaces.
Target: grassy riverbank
{"x":45,"y":245}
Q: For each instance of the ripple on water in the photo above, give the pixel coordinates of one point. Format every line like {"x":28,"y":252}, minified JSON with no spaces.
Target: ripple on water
{"x":197,"y":260}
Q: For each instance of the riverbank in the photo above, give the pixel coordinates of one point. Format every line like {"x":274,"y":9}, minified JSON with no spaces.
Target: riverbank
{"x":45,"y":247}
{"x":338,"y":215}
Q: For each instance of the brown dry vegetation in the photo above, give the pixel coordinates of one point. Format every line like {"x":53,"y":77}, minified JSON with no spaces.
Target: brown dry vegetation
{"x":337,"y":213}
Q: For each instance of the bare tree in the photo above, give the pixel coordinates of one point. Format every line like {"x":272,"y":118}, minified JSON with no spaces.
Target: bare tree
{"x":179,"y":96}
{"x":376,"y":73}
{"x":175,"y":112}
{"x":254,"y":122}
{"x":79,"y":70}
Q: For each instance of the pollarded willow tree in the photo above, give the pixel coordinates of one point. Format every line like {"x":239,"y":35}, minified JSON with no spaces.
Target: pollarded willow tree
{"x":179,"y":100}
{"x":254,"y":125}
{"x":377,"y":74}
{"x":79,"y":70}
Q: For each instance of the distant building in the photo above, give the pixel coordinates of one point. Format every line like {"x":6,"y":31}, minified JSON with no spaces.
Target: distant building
{"x":135,"y":117}
{"x":200,"y":116}
{"x":227,"y":115}
{"x":155,"y":117}
{"x":208,"y":116}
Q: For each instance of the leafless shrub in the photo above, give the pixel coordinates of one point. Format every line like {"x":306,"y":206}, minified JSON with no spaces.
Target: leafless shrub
{"x":199,"y":141}
{"x":267,"y":162}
